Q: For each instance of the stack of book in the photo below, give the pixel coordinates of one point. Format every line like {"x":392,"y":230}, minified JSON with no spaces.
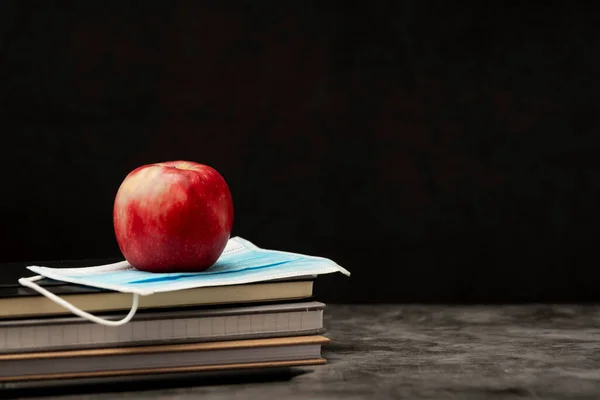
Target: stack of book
{"x":247,"y":326}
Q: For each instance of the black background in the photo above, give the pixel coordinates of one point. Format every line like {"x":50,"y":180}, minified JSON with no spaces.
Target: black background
{"x":441,"y":151}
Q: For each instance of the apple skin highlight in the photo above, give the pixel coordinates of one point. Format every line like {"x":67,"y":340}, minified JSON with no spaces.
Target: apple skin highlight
{"x":174,"y":216}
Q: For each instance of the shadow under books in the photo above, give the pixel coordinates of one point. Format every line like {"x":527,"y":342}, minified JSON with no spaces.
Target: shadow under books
{"x":143,"y":383}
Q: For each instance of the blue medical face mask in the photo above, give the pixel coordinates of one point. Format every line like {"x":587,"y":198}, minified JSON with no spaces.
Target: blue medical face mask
{"x":241,"y":262}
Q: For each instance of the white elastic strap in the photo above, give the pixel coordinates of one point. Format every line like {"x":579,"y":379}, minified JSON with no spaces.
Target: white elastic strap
{"x":30,"y":283}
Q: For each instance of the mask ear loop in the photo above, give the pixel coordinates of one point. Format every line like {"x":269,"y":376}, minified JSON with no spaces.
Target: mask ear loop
{"x":30,"y":283}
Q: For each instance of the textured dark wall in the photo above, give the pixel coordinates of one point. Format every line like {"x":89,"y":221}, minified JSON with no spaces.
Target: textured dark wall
{"x":438,"y":150}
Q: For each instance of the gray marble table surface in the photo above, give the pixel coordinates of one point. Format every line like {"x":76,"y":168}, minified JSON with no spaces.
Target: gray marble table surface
{"x":432,"y":352}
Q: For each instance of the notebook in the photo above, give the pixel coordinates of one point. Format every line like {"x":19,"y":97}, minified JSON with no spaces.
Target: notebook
{"x":169,"y":326}
{"x":17,"y":301}
{"x":211,"y":356}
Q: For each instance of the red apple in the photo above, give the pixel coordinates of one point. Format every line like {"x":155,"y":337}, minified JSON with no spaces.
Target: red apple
{"x":173,"y":216}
